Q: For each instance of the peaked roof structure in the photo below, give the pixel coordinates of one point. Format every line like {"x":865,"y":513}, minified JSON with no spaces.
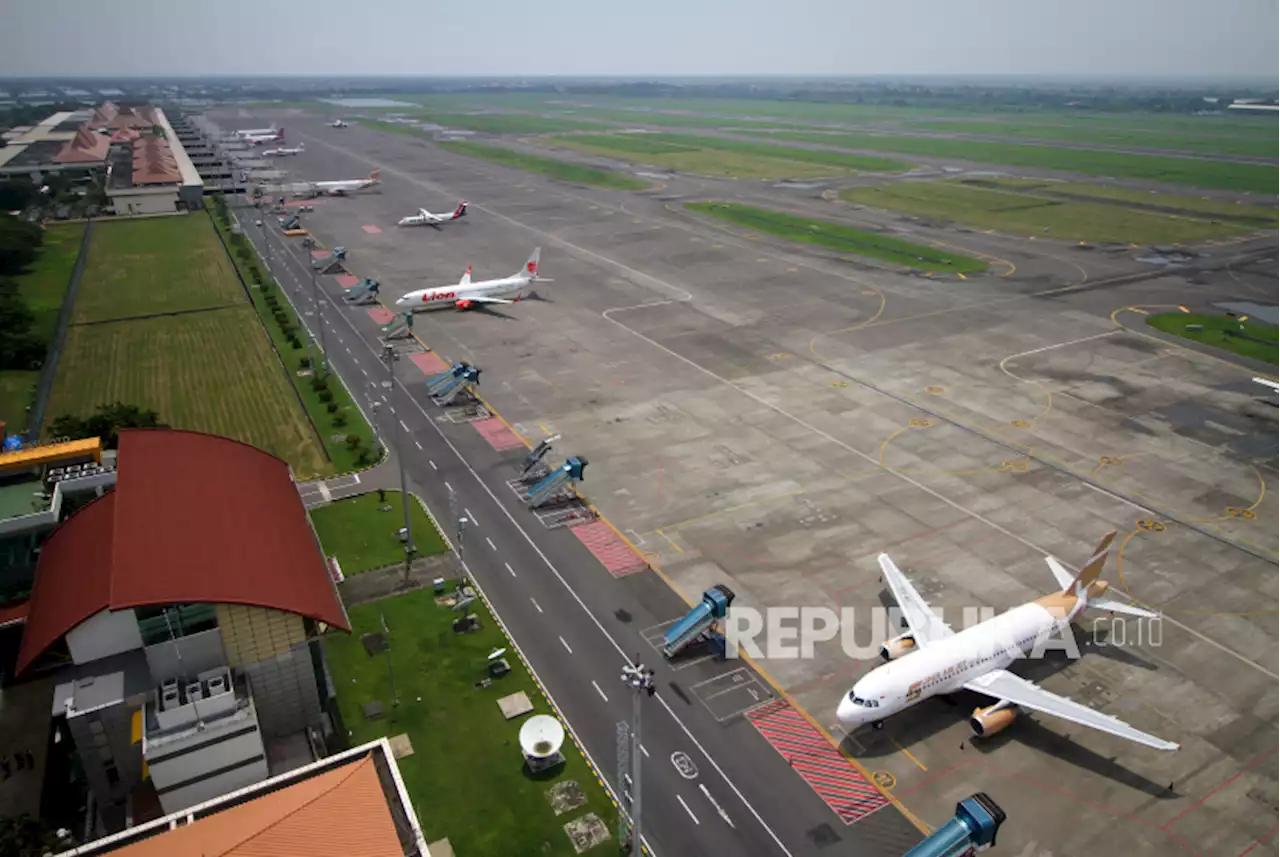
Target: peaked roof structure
{"x":194,"y":519}
{"x":154,"y":162}
{"x":340,"y":813}
{"x":85,"y":148}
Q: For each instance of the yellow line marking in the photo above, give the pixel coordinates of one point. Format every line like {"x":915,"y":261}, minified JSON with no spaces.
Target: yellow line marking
{"x":907,"y":753}
{"x":545,"y":430}
{"x":670,"y":540}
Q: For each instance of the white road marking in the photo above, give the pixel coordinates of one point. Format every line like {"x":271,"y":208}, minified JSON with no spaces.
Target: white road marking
{"x":599,"y":691}
{"x":403,"y":426}
{"x":432,"y":463}
{"x":418,"y":444}
{"x":447,"y":486}
{"x":686,"y":809}
{"x":535,"y":604}
{"x":566,"y":646}
{"x":643,"y":750}
{"x":510,"y":569}
{"x":722,"y":813}
{"x":471,"y":516}
{"x":492,"y":546}
{"x":364,"y":371}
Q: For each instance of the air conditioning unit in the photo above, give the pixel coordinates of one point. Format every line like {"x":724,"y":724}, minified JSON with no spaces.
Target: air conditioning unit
{"x":169,"y":698}
{"x":194,"y":691}
{"x":217,"y":684}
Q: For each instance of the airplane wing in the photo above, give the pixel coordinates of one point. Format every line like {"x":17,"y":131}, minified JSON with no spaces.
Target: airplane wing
{"x":1008,"y":687}
{"x":924,"y":625}
{"x":490,"y":300}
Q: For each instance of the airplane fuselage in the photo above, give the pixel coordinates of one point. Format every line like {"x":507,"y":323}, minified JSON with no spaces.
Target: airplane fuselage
{"x":946,"y":665}
{"x":508,"y":288}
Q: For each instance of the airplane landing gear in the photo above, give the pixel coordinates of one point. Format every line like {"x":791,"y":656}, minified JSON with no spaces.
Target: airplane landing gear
{"x":877,"y":724}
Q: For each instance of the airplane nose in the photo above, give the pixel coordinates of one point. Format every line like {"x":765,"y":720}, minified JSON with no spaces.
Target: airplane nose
{"x":846,"y":711}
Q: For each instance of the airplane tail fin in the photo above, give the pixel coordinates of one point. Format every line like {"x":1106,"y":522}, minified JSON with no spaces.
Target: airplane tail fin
{"x":1092,"y":569}
{"x":466,"y":278}
{"x":375,"y":175}
{"x":461,"y":210}
{"x":530,"y":270}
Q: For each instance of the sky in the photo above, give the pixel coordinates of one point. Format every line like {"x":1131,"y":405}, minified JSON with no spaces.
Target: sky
{"x":456,"y":38}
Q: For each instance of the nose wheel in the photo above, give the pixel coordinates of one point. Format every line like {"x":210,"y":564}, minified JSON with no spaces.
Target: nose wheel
{"x":877,"y":724}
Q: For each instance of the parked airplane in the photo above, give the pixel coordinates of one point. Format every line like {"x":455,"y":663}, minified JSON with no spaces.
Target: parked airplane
{"x":285,"y":150}
{"x":931,"y":659}
{"x":337,"y":123}
{"x":257,"y":138}
{"x":426,"y":218}
{"x":346,"y":186}
{"x":467,"y":294}
{"x":259,"y":132}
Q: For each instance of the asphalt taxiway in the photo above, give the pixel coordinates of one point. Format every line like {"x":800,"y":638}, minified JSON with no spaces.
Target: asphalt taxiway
{"x":772,"y":418}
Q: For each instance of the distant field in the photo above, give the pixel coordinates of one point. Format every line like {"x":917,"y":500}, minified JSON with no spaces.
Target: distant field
{"x":1032,"y":213}
{"x":837,"y":236}
{"x":163,"y":264}
{"x":664,"y":120}
{"x":562,"y":170}
{"x":1258,"y":341}
{"x":1259,"y":178}
{"x":1259,"y":216}
{"x":212,"y":371}
{"x":728,"y":158}
{"x":512,"y":123}
{"x":17,"y":393}
{"x":1104,"y":136}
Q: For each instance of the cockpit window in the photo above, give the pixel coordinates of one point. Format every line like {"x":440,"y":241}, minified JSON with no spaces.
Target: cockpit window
{"x":865,"y":703}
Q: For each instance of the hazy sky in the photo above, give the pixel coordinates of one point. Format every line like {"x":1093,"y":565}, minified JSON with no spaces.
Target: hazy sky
{"x":650,"y":37}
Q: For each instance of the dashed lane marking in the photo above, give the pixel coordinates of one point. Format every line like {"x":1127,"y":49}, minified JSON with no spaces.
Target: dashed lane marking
{"x":850,"y":795}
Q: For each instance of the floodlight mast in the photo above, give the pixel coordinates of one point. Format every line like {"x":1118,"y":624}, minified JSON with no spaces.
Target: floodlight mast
{"x":639,"y":679}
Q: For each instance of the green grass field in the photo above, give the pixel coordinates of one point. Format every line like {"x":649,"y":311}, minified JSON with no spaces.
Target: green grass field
{"x":1102,"y":136}
{"x":837,"y":236}
{"x":17,"y":394}
{"x":363,"y":537}
{"x":512,"y":123}
{"x":1262,"y":216}
{"x":550,"y":167}
{"x":655,"y":118}
{"x":44,"y":284}
{"x":212,"y":371}
{"x":158,"y":265}
{"x":1258,"y":341}
{"x":725,"y":158}
{"x":1030,"y":212}
{"x":466,"y":775}
{"x":1258,"y":178}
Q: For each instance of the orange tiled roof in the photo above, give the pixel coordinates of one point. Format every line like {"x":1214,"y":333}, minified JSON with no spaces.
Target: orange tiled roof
{"x":153,"y":162}
{"x":85,"y":147}
{"x":340,"y":813}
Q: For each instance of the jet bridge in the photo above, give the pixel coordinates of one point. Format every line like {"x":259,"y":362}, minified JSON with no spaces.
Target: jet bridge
{"x":454,"y":386}
{"x":972,"y":829}
{"x":700,"y":621}
{"x":439,"y":382}
{"x":332,"y":263}
{"x":363,"y":292}
{"x":566,"y":475}
{"x":400,"y":327}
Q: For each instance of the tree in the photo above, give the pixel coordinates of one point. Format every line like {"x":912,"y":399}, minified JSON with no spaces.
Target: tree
{"x":19,"y":244}
{"x":106,"y":423}
{"x":28,"y":836}
{"x":158,"y":130}
{"x":18,"y":194}
{"x":20,"y":347}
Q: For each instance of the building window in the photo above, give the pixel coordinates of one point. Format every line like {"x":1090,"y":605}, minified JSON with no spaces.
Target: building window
{"x":158,"y":624}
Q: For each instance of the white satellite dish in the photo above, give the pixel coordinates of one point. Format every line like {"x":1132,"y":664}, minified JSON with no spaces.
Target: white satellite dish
{"x":541,"y":737}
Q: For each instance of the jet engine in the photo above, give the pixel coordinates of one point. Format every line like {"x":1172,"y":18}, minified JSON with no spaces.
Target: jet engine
{"x":989,"y":721}
{"x":463,"y":304}
{"x":897,"y":647}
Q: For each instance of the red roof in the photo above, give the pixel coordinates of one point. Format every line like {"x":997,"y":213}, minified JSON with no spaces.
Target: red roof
{"x":194,"y":518}
{"x":85,"y":147}
{"x":154,"y":162}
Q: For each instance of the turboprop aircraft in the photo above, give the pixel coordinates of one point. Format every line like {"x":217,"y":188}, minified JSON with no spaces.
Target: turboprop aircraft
{"x":467,"y":294}
{"x":426,"y":218}
{"x":345,"y":186}
{"x":931,"y":659}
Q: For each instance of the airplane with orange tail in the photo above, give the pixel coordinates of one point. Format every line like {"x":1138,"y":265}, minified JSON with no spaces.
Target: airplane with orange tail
{"x":931,"y":659}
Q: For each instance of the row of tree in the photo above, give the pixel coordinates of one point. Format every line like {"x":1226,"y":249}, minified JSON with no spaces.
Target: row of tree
{"x":21,"y":347}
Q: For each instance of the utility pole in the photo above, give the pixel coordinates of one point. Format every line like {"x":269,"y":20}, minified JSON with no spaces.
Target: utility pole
{"x":390,"y":356}
{"x":640,"y":680}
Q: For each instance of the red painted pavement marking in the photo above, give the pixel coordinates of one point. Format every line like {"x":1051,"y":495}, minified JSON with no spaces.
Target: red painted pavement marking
{"x":822,"y":766}
{"x":381,"y":315}
{"x":496,"y":432}
{"x":347,"y":281}
{"x":319,"y":254}
{"x":298,"y":202}
{"x":372,"y":230}
{"x":604,"y":544}
{"x":429,"y":363}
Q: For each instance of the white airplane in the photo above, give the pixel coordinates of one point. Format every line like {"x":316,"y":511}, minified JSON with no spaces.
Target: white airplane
{"x":346,"y":186}
{"x":284,"y":150}
{"x":931,"y":659}
{"x":260,"y":132}
{"x":337,"y":123}
{"x":467,"y":294}
{"x":426,"y":218}
{"x":257,"y":138}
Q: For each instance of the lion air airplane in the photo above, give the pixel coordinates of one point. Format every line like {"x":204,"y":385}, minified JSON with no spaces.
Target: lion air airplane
{"x":467,"y":294}
{"x":260,"y":132}
{"x":426,"y":218}
{"x":285,"y":150}
{"x":931,"y":659}
{"x":257,"y":138}
{"x":345,"y":186}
